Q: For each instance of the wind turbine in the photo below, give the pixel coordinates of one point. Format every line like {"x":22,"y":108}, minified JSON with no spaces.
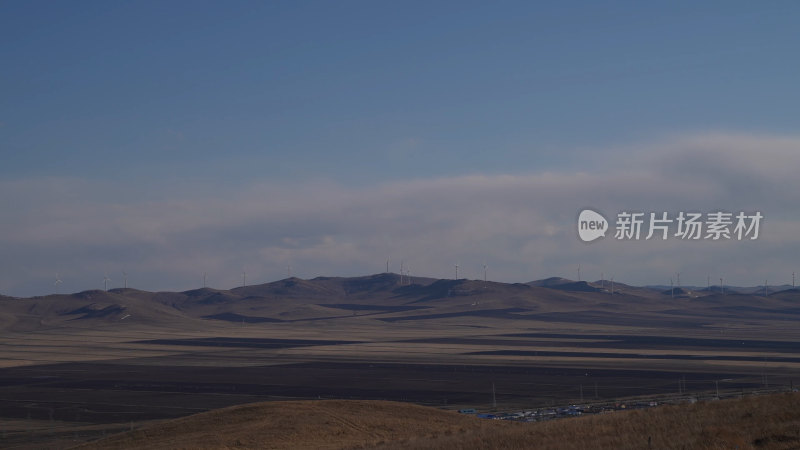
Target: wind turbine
{"x":244,"y":278}
{"x":105,"y":281}
{"x":456,"y":271}
{"x":672,"y":289}
{"x":484,"y":272}
{"x":57,"y":282}
{"x":125,"y":279}
{"x":204,"y":279}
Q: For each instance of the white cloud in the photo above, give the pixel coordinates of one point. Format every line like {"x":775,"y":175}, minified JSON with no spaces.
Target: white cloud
{"x":521,"y":225}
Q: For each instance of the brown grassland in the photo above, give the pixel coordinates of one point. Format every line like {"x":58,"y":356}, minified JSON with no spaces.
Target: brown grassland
{"x":384,"y":361}
{"x":756,"y":422}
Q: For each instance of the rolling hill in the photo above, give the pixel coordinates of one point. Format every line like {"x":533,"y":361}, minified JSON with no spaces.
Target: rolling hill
{"x":762,"y":422}
{"x":77,"y":366}
{"x":388,"y":297}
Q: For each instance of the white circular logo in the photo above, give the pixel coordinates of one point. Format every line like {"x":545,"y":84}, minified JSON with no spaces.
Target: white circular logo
{"x":591,"y":225}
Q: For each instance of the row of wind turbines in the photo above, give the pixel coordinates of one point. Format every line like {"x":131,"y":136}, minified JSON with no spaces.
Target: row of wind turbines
{"x":721,"y":284}
{"x":405,"y":273}
{"x":677,"y":280}
{"x":405,"y":277}
{"x":106,"y":280}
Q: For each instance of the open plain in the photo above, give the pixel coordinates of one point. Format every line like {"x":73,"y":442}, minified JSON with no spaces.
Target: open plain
{"x":79,"y":367}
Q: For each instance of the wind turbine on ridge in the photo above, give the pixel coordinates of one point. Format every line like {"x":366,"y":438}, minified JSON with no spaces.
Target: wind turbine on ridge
{"x":57,"y":282}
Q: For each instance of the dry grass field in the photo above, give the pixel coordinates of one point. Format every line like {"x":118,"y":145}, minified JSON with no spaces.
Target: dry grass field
{"x":78,"y":367}
{"x":759,"y":422}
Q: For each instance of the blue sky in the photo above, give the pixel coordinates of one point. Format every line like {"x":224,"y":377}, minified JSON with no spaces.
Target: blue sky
{"x":114,"y":107}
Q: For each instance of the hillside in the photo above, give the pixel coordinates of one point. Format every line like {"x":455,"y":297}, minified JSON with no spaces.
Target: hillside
{"x":765,"y":422}
{"x":326,"y":424}
{"x":76,"y":367}
{"x":388,"y":298}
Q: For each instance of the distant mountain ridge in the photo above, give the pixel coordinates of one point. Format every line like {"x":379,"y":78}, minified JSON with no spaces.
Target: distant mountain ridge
{"x":387,"y":297}
{"x":384,"y":281}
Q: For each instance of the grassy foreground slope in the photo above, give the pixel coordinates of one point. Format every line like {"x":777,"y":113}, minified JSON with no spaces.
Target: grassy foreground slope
{"x":764,"y":422}
{"x":323,"y":424}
